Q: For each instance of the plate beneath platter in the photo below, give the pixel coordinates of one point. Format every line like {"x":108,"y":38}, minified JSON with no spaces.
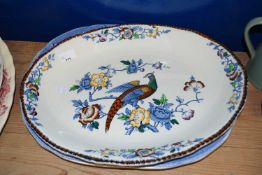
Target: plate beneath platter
{"x":182,"y":111}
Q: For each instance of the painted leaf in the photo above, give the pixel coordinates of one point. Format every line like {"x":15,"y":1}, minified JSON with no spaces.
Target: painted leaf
{"x":31,"y":96}
{"x":140,"y":62}
{"x":159,"y":153}
{"x":102,"y":67}
{"x":173,"y":150}
{"x":38,"y":124}
{"x":198,"y":139}
{"x":136,"y":36}
{"x":156,"y":101}
{"x":116,"y":30}
{"x":231,"y":67}
{"x":37,"y":81}
{"x":225,"y":54}
{"x":85,"y":103}
{"x":163,"y":99}
{"x":76,"y":116}
{"x":106,"y":31}
{"x":131,"y":150}
{"x":95,"y":124}
{"x":131,"y":156}
{"x":77,"y":103}
{"x":174,"y":121}
{"x":125,"y":62}
{"x":74,"y":87}
{"x":141,"y":129}
{"x":79,"y":90}
{"x":86,"y":37}
{"x":128,"y":111}
{"x":233,"y":84}
{"x":179,"y":100}
{"x":34,"y":119}
{"x":168,"y":126}
{"x":152,"y":128}
{"x":123,"y":117}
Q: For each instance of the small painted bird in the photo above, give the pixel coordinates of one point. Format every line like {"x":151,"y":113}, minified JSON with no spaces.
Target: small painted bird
{"x":132,"y":92}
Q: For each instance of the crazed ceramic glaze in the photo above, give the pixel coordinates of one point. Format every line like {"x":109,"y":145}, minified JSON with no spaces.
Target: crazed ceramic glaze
{"x":183,"y":106}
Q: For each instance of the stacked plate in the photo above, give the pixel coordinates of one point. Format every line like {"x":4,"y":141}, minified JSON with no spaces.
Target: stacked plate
{"x":7,"y":83}
{"x":132,"y":96}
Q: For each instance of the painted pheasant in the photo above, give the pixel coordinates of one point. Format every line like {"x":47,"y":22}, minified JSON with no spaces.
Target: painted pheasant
{"x":132,"y":92}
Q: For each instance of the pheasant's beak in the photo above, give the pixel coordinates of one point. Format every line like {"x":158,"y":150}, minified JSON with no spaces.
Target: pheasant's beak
{"x":146,"y":75}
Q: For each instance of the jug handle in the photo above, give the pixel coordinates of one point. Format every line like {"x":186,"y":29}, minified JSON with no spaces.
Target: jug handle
{"x":252,"y":23}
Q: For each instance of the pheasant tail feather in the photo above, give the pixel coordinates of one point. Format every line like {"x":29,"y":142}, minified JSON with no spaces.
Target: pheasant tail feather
{"x":112,"y":112}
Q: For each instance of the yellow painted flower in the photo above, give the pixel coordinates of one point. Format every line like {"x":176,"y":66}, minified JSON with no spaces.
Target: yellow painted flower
{"x":139,"y":115}
{"x":153,"y":33}
{"x":46,"y":64}
{"x":99,"y":79}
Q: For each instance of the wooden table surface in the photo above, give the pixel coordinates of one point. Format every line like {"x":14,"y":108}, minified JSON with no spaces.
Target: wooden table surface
{"x":20,"y":153}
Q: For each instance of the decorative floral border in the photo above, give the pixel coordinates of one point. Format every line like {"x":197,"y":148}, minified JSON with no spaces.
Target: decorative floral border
{"x":31,"y":92}
{"x":125,"y":32}
{"x":233,"y":72}
{"x":154,"y":152}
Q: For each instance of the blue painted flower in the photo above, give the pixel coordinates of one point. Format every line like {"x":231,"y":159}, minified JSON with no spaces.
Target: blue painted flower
{"x":137,"y":28}
{"x":160,"y":113}
{"x":129,"y":155}
{"x":36,"y":72}
{"x":85,"y":82}
{"x":132,"y":67}
{"x":158,"y":65}
{"x":116,"y":30}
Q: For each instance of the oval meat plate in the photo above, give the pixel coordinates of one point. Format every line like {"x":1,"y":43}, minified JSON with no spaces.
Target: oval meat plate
{"x":133,"y":95}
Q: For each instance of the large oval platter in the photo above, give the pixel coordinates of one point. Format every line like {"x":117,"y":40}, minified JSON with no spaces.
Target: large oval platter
{"x":133,"y":95}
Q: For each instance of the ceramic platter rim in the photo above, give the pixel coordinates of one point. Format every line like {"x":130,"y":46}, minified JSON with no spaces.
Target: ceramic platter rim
{"x":141,"y":162}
